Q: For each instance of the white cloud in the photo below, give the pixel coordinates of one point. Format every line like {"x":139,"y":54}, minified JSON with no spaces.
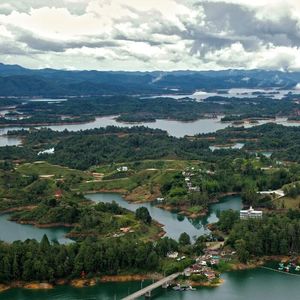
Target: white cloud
{"x":151,"y":35}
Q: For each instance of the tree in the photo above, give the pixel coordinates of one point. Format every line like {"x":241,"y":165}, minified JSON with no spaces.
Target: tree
{"x":184,"y":239}
{"x":242,"y":252}
{"x":143,"y":214}
{"x":249,"y":195}
{"x":45,"y":244}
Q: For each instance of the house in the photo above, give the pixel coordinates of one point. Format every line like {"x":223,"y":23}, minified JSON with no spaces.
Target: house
{"x":160,"y":199}
{"x":125,"y":229}
{"x":172,"y":254}
{"x":210,"y":274}
{"x":251,"y":214}
{"x":196,"y":269}
{"x":58,"y":194}
{"x":122,"y":169}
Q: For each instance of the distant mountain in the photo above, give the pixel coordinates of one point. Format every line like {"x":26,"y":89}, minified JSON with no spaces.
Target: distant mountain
{"x":18,"y":81}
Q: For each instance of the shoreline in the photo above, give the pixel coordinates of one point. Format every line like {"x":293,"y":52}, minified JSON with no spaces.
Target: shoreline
{"x":79,"y":282}
{"x":88,"y":282}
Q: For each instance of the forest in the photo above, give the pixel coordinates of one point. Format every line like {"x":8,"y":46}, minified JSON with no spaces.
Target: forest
{"x":47,"y":261}
{"x":275,"y":234}
{"x":145,"y":109}
{"x":143,"y":164}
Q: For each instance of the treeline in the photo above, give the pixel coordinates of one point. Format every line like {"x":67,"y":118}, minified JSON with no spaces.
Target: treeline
{"x":43,"y":261}
{"x":283,"y":141}
{"x":141,"y":109}
{"x":19,"y":190}
{"x":271,"y":235}
{"x":44,"y":119}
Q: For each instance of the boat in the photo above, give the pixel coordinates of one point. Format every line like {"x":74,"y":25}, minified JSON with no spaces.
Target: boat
{"x":297,"y":268}
{"x":177,"y":288}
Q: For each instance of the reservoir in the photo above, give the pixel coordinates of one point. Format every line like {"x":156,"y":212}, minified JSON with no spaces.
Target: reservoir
{"x":174,"y":128}
{"x":12,"y":231}
{"x":175,"y":224}
{"x":255,"y":284}
{"x":258,"y":284}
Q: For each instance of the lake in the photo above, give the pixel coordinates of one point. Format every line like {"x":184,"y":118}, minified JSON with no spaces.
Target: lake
{"x":246,"y":285}
{"x":255,"y":284}
{"x":175,"y":224}
{"x":241,"y":93}
{"x":12,"y":231}
{"x":174,"y":128}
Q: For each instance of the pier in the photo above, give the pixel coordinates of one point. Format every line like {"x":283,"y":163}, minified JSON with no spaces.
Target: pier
{"x":147,"y":290}
{"x":278,"y":271}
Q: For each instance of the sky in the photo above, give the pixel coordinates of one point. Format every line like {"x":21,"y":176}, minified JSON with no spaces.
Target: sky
{"x":141,"y":35}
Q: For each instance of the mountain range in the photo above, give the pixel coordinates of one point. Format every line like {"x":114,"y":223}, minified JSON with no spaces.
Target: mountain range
{"x":21,"y":82}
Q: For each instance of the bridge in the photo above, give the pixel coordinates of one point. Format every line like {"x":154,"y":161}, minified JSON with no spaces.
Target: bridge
{"x":147,"y":290}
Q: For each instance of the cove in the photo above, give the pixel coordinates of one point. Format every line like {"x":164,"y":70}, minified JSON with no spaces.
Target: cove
{"x":12,"y":231}
{"x":174,"y":128}
{"x":175,"y":224}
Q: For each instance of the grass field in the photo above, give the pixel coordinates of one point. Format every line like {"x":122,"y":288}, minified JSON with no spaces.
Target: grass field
{"x":288,"y":202}
{"x":44,"y":168}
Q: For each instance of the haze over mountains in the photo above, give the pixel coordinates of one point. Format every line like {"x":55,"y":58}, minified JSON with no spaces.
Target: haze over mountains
{"x":18,"y":81}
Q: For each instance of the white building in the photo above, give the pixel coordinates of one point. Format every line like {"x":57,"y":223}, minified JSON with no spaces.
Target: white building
{"x":251,"y":214}
{"x":172,"y":254}
{"x":122,"y":169}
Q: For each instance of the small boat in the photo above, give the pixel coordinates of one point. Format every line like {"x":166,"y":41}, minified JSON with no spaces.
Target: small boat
{"x":177,"y":288}
{"x":297,"y":268}
{"x":280,"y":268}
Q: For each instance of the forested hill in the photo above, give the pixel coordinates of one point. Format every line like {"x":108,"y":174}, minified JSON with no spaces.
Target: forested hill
{"x":19,"y":81}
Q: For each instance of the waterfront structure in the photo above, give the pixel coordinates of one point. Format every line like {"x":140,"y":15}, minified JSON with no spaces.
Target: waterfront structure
{"x":251,"y":214}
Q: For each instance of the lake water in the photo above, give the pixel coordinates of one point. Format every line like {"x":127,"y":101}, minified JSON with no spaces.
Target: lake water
{"x":9,"y":141}
{"x":174,"y":128}
{"x":12,"y":231}
{"x":255,"y":284}
{"x":272,"y":93}
{"x":174,"y":224}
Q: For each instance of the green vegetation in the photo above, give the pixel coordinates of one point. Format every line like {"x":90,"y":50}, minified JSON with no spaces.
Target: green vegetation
{"x":144,"y":164}
{"x":143,"y":215}
{"x":42,"y":261}
{"x":275,"y":234}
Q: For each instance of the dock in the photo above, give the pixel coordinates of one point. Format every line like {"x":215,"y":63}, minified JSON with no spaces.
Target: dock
{"x":147,"y":290}
{"x":278,"y":271}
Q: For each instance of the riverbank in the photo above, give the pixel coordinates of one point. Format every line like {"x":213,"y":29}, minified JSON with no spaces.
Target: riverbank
{"x":89,"y":282}
{"x":16,"y":209}
{"x":211,"y":284}
{"x":47,"y":225}
{"x":26,"y":285}
{"x":46,"y":124}
{"x":80,"y":282}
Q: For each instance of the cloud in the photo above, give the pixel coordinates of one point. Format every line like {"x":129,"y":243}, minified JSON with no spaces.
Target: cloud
{"x":151,"y":35}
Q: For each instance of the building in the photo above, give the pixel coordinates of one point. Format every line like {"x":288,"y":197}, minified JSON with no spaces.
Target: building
{"x":251,"y":214}
{"x":122,"y":169}
{"x":172,"y":254}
